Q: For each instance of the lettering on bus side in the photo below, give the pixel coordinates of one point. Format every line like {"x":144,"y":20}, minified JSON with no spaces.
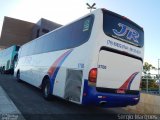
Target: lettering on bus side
{"x":86,"y":25}
{"x":124,"y":47}
{"x":80,"y":65}
{"x":102,"y":66}
{"x":28,"y":59}
{"x":130,"y":33}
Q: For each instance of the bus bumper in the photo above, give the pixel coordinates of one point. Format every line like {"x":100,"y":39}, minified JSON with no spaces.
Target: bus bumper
{"x":92,"y":97}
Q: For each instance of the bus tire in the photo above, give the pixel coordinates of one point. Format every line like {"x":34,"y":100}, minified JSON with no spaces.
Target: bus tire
{"x":3,"y":70}
{"x":46,"y":90}
{"x":18,"y":76}
{"x":0,"y":70}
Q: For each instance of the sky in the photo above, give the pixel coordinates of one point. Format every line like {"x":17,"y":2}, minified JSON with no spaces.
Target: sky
{"x":143,"y":12}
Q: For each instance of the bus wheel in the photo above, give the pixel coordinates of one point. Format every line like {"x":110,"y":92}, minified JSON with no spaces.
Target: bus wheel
{"x":18,"y":77}
{"x":46,"y":90}
{"x":0,"y":70}
{"x":3,"y":70}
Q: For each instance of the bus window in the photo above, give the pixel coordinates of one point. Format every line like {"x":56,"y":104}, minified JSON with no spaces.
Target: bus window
{"x":70,"y":36}
{"x":123,"y":29}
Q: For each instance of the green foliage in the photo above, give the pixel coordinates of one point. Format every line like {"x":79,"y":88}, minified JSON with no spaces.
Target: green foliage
{"x":151,"y":80}
{"x":147,"y":67}
{"x":151,"y":84}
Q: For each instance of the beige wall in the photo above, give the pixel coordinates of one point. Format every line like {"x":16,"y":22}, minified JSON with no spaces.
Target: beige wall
{"x":15,"y":32}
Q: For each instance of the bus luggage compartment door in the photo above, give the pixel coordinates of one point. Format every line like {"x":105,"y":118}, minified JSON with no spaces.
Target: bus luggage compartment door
{"x":117,"y":71}
{"x":73,"y":85}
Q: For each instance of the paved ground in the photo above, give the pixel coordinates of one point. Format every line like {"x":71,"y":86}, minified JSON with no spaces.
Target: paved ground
{"x":31,"y":104}
{"x":8,"y":110}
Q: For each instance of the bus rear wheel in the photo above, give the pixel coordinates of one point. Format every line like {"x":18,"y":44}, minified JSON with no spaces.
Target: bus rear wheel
{"x":46,"y":90}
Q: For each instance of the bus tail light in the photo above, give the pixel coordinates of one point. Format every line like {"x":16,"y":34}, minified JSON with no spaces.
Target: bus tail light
{"x":92,"y":75}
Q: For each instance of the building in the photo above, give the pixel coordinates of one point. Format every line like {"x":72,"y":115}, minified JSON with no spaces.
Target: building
{"x":19,"y":32}
{"x":42,"y":27}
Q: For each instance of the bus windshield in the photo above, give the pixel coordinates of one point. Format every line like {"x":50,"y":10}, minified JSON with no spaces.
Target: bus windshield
{"x":122,"y":29}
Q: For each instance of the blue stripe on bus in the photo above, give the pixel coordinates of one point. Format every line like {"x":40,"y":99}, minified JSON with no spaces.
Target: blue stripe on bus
{"x":60,"y":61}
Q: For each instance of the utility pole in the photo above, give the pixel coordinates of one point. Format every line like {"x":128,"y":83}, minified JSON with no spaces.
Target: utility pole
{"x":158,"y":76}
{"x":158,"y":68}
{"x":91,"y":7}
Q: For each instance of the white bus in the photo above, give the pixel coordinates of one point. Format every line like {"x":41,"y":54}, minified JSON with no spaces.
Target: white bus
{"x":8,"y":58}
{"x":95,"y":60}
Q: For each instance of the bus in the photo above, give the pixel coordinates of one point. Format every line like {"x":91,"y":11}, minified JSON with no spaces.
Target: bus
{"x":8,"y":58}
{"x":95,"y":60}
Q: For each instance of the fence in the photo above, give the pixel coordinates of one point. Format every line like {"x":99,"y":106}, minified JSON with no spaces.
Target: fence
{"x":149,"y":84}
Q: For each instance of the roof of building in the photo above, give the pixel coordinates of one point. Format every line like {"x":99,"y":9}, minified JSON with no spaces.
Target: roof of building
{"x":15,"y":31}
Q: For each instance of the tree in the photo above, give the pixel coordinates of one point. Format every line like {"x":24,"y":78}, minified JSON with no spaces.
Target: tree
{"x":151,"y":81}
{"x":147,"y":67}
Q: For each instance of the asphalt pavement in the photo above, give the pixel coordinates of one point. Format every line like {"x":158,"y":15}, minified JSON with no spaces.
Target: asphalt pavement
{"x":8,"y":110}
{"x":29,"y":101}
